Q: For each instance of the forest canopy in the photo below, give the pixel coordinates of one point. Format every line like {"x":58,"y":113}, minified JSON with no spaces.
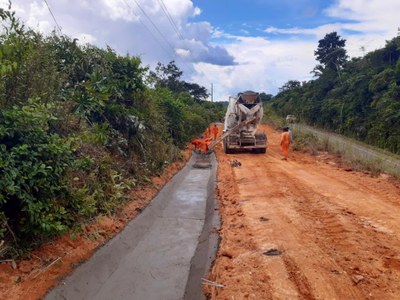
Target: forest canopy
{"x":359,"y":97}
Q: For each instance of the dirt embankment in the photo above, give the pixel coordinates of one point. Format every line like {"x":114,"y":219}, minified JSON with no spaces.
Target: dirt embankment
{"x":32,"y":277}
{"x":305,"y":228}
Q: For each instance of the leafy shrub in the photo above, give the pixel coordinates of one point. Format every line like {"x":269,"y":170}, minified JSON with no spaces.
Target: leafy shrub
{"x":33,"y":162}
{"x":94,"y":130}
{"x":271,"y":117}
{"x":305,"y":141}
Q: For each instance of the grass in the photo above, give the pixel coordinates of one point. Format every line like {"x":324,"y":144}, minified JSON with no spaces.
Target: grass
{"x":353,"y":153}
{"x":271,"y":118}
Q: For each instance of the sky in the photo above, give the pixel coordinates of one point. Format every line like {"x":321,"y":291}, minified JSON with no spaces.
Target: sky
{"x":234,"y":45}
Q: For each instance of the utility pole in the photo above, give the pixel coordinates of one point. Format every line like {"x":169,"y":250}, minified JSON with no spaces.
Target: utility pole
{"x":212,"y":92}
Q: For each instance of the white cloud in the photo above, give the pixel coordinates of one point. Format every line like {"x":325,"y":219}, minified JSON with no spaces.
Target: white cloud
{"x":319,"y":31}
{"x":37,"y":17}
{"x":197,"y":12}
{"x":182,"y":52}
{"x":383,"y":12}
{"x":265,"y":65}
{"x":143,"y":29}
{"x":232,"y":63}
{"x":376,"y":20}
{"x":373,"y":22}
{"x":84,"y":39}
{"x":118,"y":10}
{"x":262,"y":66}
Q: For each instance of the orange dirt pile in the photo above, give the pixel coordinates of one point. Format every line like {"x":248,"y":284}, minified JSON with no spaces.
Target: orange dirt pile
{"x":56,"y":259}
{"x":330,"y":232}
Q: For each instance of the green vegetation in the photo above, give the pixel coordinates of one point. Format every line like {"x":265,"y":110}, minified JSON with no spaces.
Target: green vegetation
{"x":307,"y":142}
{"x":272,"y":118}
{"x":359,"y":98}
{"x":79,"y":127}
{"x":357,"y":155}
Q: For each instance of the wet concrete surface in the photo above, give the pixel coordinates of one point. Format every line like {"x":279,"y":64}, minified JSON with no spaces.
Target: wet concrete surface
{"x":162,"y":254}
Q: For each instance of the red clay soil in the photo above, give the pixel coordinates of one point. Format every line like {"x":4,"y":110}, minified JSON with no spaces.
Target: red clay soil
{"x":56,"y":259}
{"x":306,"y":228}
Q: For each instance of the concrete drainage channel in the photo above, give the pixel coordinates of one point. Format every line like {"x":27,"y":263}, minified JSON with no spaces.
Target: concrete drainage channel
{"x":209,"y":239}
{"x":163,"y":253}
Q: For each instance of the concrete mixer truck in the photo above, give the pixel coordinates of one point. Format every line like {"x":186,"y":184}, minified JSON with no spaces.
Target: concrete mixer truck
{"x":243,"y":114}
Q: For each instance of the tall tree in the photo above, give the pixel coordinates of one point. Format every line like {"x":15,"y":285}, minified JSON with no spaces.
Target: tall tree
{"x":169,"y":76}
{"x":364,"y":104}
{"x":199,"y":93}
{"x":330,"y":53}
{"x":265,"y":97}
{"x":290,"y":85}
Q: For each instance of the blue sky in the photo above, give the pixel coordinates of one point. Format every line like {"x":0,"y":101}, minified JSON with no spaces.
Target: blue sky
{"x":253,"y":16}
{"x":236,"y":45}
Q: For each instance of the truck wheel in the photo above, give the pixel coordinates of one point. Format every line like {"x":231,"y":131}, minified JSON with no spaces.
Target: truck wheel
{"x":261,"y":150}
{"x":226,"y":149}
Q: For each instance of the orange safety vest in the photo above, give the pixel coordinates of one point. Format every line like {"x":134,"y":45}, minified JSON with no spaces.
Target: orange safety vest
{"x":215,"y":131}
{"x":285,"y":141}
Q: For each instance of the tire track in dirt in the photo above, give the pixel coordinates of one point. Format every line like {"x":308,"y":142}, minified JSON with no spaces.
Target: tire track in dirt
{"x":237,"y":249}
{"x":297,"y":242}
{"x":299,"y":279}
{"x":339,"y":231}
{"x":362,"y":243}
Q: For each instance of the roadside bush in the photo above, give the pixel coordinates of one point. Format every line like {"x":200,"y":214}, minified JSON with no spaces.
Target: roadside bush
{"x":103,"y":189}
{"x":79,"y":127}
{"x":306,"y":141}
{"x":33,"y":162}
{"x":271,"y":117}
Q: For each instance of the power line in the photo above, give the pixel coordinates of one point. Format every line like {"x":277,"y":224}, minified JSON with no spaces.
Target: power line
{"x":170,"y":19}
{"x":161,"y":34}
{"x":176,"y":29}
{"x":148,"y":29}
{"x":173,"y":24}
{"x":54,"y":18}
{"x":154,"y":25}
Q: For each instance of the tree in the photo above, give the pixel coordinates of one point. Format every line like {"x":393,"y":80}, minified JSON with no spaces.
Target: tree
{"x":363,"y":102}
{"x":79,"y":127}
{"x":199,"y":93}
{"x":265,"y":97}
{"x":168,"y":76}
{"x":330,"y":53}
{"x":290,"y":85}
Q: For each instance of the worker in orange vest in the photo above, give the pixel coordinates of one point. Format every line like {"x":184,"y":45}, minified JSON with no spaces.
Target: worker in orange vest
{"x":285,"y":142}
{"x":205,"y":144}
{"x":196,"y":144}
{"x":215,"y":131}
{"x":208,"y":132}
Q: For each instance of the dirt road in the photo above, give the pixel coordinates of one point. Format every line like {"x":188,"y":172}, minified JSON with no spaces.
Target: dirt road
{"x":330,"y":233}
